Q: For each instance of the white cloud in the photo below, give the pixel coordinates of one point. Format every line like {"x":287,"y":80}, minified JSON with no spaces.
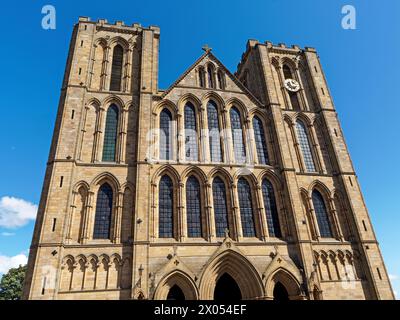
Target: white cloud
{"x":393,"y":277}
{"x":8,"y":234}
{"x":6,"y":263}
{"x":16,"y":212}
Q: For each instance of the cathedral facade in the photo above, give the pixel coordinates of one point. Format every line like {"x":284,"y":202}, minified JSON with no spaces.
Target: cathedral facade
{"x":223,"y":186}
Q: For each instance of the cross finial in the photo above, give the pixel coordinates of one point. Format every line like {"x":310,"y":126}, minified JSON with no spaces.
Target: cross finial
{"x":206,"y":48}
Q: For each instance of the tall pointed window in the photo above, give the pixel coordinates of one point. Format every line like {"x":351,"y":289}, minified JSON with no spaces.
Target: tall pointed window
{"x":294,"y":99}
{"x":166,"y":208}
{"x":305,"y":146}
{"x":110,"y":134}
{"x":220,"y":207}
{"x":321,"y":215}
{"x":191,"y":149}
{"x":271,"y":210}
{"x":261,"y":143}
{"x":116,"y":68}
{"x":193,"y":207}
{"x":246,"y":208}
{"x":165,"y":134}
{"x":237,"y":136}
{"x":210,"y":72}
{"x":104,"y":205}
{"x":202,"y":78}
{"x":221,"y":80}
{"x":214,"y":133}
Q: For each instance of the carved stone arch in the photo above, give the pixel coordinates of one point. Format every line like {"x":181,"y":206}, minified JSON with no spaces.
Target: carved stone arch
{"x":243,"y":110}
{"x":100,"y":41}
{"x":105,"y":177}
{"x":130,"y":106}
{"x":189,"y":97}
{"x":196,"y":171}
{"x":290,"y":63}
{"x":288,"y":279}
{"x":276,"y":61}
{"x":214,"y":96}
{"x":301,"y":116}
{"x":113,"y":99}
{"x":289,"y":120}
{"x":250,"y":178}
{"x":235,"y":264}
{"x":127,"y":185}
{"x":66,"y":258}
{"x":80,"y":257}
{"x":260,"y":114}
{"x":119,"y":40}
{"x":96,"y":103}
{"x":222,"y":173}
{"x":116,"y":256}
{"x":81,"y":184}
{"x":166,"y":103}
{"x":166,"y":170}
{"x":180,"y":279}
{"x":272,"y":177}
{"x":105,"y":257}
{"x":323,"y":189}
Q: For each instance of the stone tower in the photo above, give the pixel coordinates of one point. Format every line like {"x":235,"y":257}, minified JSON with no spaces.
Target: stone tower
{"x":223,"y":184}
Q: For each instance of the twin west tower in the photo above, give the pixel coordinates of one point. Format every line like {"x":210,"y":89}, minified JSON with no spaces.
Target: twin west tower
{"x":236,"y":186}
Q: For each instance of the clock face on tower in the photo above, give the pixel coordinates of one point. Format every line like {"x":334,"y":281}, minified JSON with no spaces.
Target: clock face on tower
{"x":292,"y":85}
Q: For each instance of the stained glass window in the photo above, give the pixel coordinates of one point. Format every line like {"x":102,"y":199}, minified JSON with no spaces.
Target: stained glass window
{"x":116,"y":68}
{"x":104,"y":204}
{"x":191,"y":149}
{"x":165,"y":134}
{"x":305,"y":146}
{"x":214,"y":132}
{"x":193,"y":207}
{"x":261,"y":143}
{"x":322,"y":215}
{"x":237,"y":136}
{"x":271,"y":210}
{"x":166,"y":208}
{"x":246,"y":208}
{"x":110,"y":134}
{"x":220,"y":207}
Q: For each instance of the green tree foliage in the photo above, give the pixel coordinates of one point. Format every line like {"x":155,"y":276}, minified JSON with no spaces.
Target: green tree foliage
{"x":11,"y":283}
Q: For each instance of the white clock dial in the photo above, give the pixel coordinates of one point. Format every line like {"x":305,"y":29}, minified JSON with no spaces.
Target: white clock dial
{"x":292,"y":85}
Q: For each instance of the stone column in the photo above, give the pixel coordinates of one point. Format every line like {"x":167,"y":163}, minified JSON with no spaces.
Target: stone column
{"x":261,"y":213}
{"x":118,"y":217}
{"x":98,"y":143}
{"x":182,"y":223}
{"x":88,"y":218}
{"x":70,"y":216}
{"x":210,"y":218}
{"x":237,"y":223}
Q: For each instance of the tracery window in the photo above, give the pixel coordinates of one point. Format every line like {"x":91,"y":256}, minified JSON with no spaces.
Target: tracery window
{"x":321,"y":215}
{"x":193,"y":207}
{"x":116,"y":68}
{"x":165,"y":134}
{"x":237,"y":136}
{"x":261,"y":143}
{"x":110,"y":134}
{"x":220,"y":207}
{"x":246,"y":208}
{"x":305,"y":146}
{"x":271,"y":210}
{"x":214,"y":132}
{"x":191,"y":146}
{"x":104,"y":206}
{"x":166,"y":208}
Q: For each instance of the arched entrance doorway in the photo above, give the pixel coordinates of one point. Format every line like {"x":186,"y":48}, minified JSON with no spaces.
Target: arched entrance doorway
{"x":280,"y":292}
{"x":227,"y":289}
{"x":175,"y":293}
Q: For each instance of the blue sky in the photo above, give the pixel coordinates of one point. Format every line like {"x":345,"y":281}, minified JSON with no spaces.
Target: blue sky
{"x":362,"y":68}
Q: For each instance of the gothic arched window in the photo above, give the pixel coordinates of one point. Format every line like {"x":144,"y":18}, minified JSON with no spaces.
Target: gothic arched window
{"x":165,"y":134}
{"x":246,"y":208}
{"x":221,"y":80}
{"x":104,"y":205}
{"x":220,"y":207}
{"x":166,"y":208}
{"x":214,"y":133}
{"x":193,"y":207}
{"x":321,"y":215}
{"x":294,"y":99}
{"x":202,"y":78}
{"x":271,"y":210}
{"x":237,"y":136}
{"x":191,"y":149}
{"x":261,"y":143}
{"x":305,"y":146}
{"x":110,"y":134}
{"x":116,"y":68}
{"x":210,"y":72}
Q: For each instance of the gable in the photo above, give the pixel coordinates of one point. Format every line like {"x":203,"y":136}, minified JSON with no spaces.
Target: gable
{"x":191,"y":79}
